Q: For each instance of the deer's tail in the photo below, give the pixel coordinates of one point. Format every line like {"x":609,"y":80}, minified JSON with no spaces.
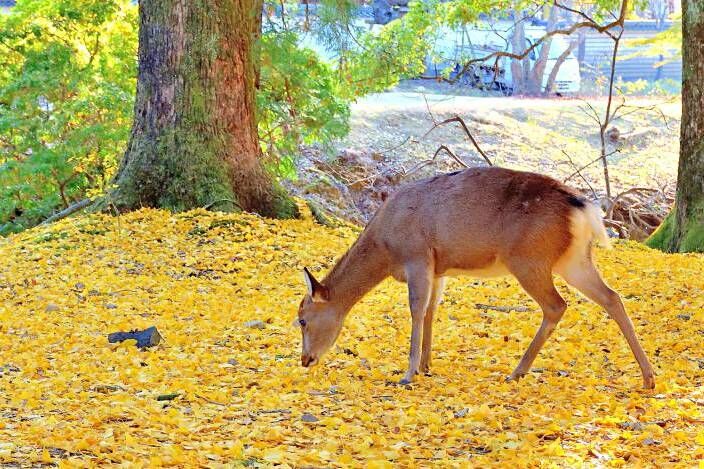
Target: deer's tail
{"x":596,"y":223}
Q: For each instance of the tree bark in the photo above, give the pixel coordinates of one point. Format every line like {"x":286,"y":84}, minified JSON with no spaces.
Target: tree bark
{"x":550,"y":84}
{"x":683,"y":229}
{"x":535,"y":83}
{"x":194,"y":139}
{"x":528,"y":77}
{"x":519,"y":68}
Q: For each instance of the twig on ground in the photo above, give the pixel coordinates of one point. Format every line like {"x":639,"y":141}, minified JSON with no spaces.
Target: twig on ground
{"x":503,"y":309}
{"x":610,"y":212}
{"x":210,"y":400}
{"x":617,"y":226}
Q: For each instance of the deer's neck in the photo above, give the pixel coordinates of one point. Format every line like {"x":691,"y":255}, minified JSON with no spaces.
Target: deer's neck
{"x":362,"y":268}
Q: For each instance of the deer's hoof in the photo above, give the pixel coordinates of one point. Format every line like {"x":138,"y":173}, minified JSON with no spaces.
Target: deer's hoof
{"x":649,"y":382}
{"x":514,"y":377}
{"x":405,"y":381}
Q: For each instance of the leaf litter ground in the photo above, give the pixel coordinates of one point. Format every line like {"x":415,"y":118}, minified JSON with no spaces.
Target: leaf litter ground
{"x":236,"y":392}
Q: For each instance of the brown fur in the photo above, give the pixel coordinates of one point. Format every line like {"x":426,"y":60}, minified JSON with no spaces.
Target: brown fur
{"x":482,"y":222}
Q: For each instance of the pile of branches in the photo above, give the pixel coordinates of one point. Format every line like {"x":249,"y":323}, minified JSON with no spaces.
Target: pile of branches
{"x":636,"y":213}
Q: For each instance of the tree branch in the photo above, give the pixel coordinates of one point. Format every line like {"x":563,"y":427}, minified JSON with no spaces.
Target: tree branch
{"x":67,"y":211}
{"x":590,"y":24}
{"x":425,"y":163}
{"x":466,"y":131}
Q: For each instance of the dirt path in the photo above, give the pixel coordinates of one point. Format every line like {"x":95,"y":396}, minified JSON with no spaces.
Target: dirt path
{"x":416,"y":102}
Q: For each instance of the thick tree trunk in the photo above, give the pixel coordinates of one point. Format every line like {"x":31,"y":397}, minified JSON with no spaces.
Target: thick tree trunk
{"x":194,"y":139}
{"x":683,"y":229}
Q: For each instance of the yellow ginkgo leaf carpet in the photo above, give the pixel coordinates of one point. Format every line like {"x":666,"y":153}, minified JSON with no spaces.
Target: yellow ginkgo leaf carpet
{"x":226,"y":387}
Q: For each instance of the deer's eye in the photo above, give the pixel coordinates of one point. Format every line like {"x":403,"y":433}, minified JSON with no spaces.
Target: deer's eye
{"x":302,"y":322}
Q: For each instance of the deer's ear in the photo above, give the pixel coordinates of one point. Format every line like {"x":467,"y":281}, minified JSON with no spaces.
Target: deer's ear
{"x":316,"y":290}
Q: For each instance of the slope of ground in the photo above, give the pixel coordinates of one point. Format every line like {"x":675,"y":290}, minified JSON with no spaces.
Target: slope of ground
{"x":68,"y":397}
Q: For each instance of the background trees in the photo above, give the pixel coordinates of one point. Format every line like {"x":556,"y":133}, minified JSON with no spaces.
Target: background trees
{"x":220,"y":115}
{"x":67,"y":78}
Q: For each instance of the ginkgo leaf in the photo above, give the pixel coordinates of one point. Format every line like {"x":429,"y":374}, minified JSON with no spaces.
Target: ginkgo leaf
{"x":71,"y":400}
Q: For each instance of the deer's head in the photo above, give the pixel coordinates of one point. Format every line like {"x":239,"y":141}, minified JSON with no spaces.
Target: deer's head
{"x":320,"y":321}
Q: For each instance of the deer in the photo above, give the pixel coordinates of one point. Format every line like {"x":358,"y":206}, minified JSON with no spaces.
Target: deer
{"x":480,"y":222}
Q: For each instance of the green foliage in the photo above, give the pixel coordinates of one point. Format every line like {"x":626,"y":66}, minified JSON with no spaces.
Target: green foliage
{"x":66,"y":97}
{"x":299,"y":100}
{"x":336,"y":25}
{"x":397,"y":52}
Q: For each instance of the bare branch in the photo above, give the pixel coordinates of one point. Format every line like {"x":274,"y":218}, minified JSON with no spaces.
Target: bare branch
{"x":396,"y":147}
{"x":579,"y":173}
{"x":425,"y":163}
{"x":593,"y":115}
{"x":582,"y":14}
{"x":581,"y":168}
{"x":454,"y":157}
{"x":466,"y":130}
{"x":563,"y":32}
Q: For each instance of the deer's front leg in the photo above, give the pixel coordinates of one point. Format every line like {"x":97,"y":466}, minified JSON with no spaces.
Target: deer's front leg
{"x":419,"y":280}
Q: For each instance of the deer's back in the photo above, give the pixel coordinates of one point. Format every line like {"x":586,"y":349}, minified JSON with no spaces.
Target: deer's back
{"x":473,"y":220}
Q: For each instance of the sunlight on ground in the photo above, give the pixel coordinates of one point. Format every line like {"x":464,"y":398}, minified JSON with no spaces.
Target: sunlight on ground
{"x":69,"y":397}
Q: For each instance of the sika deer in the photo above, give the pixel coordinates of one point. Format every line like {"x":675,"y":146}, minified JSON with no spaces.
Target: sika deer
{"x":481,"y":222}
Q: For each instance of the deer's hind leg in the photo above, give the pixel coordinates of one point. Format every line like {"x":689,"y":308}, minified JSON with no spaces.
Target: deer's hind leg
{"x":582,"y":274}
{"x":537,"y":281}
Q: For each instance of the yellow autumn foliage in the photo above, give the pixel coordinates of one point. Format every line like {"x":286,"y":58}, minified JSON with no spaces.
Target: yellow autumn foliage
{"x":69,"y":398}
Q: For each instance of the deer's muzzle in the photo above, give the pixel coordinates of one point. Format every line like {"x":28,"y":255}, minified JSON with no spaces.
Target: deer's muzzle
{"x":307,"y":360}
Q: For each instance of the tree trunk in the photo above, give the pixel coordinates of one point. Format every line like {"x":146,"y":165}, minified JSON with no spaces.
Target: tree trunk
{"x":194,"y":139}
{"x":518,"y":45}
{"x":550,"y":84}
{"x":535,"y":83}
{"x":683,"y":229}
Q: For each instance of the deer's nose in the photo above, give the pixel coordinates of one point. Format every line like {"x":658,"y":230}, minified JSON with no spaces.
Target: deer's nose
{"x":306,"y":360}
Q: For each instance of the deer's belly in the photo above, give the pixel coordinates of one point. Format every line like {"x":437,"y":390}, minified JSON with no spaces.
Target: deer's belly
{"x":496,"y":269}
